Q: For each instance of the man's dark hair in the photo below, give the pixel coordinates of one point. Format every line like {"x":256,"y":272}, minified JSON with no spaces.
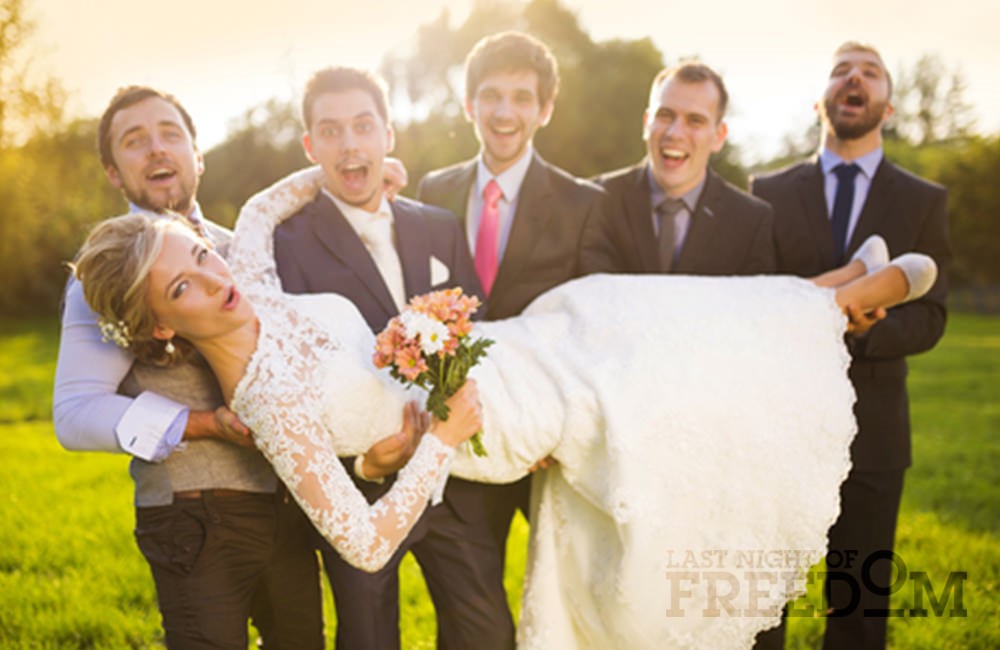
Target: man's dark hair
{"x":508,"y":52}
{"x":695,"y":72}
{"x":129,"y":96}
{"x":338,"y":79}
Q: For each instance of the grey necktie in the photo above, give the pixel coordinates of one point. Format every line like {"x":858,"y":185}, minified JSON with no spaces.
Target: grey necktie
{"x":667,"y":211}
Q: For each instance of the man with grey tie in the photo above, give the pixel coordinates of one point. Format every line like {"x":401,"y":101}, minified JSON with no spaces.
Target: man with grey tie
{"x":670,"y":213}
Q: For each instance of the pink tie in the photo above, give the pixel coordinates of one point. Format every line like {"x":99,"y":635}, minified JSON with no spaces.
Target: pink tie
{"x":486,"y":239}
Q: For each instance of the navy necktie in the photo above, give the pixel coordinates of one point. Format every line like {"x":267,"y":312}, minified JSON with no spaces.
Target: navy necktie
{"x":843,"y":201}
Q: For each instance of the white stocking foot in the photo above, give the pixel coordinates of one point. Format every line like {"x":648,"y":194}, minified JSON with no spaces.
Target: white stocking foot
{"x":873,"y":253}
{"x":920,"y":271}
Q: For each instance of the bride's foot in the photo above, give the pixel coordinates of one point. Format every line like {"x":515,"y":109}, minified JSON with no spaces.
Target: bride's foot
{"x":873,"y":253}
{"x":920,"y":271}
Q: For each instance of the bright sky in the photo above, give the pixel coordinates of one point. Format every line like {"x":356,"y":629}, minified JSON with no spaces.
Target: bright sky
{"x":221,"y":57}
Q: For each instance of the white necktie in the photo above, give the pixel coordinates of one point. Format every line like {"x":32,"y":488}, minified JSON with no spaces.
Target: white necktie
{"x":377,"y":237}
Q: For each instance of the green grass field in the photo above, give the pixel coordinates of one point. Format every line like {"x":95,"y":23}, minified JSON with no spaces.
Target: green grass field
{"x":71,"y":577}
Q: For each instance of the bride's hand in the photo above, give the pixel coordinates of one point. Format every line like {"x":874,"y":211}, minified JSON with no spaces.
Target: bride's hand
{"x":465,"y":416}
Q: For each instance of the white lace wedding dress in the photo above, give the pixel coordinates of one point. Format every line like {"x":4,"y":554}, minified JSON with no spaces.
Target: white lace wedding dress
{"x":702,"y":428}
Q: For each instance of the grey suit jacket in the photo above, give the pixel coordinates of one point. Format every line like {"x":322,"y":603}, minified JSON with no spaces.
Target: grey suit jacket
{"x":731,"y":232}
{"x":910,"y":214}
{"x":553,"y":211}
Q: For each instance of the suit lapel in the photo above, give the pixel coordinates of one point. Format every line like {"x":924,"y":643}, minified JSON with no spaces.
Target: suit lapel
{"x":532,"y":213}
{"x":458,"y":196}
{"x":705,"y":226}
{"x":875,"y":210}
{"x":414,"y":248}
{"x":812,"y":194}
{"x":639,"y":213}
{"x":337,"y":235}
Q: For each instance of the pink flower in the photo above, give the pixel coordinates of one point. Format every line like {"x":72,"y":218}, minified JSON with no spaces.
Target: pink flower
{"x":409,"y":362}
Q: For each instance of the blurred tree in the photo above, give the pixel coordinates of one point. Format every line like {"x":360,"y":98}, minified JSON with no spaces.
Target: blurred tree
{"x":26,"y":103}
{"x":930,"y":103}
{"x":588,"y":134}
{"x":52,"y":188}
{"x":262,"y":145}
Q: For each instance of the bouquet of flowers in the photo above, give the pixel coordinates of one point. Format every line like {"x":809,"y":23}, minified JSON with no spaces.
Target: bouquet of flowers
{"x":428,"y":345}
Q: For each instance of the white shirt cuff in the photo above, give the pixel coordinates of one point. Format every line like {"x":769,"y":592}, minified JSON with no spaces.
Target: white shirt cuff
{"x":146,"y":422}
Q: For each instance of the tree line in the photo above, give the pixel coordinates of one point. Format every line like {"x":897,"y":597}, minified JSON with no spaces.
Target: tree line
{"x":52,"y":188}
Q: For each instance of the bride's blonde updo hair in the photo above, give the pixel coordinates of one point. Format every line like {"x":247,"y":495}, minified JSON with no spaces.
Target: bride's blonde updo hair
{"x":113,"y":267}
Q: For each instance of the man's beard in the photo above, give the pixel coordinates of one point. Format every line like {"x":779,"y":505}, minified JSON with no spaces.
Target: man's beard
{"x":181,"y":204}
{"x":870,"y":120}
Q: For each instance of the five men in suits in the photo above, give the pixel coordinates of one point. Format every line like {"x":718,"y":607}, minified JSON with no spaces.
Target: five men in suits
{"x":523,"y":218}
{"x":670,"y":213}
{"x":814,"y":235}
{"x":351,"y":240}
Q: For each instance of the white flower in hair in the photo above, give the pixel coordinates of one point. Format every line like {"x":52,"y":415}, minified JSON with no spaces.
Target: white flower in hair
{"x":116,"y":333}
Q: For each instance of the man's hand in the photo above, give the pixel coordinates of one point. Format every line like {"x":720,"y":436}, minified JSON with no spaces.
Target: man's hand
{"x":544,"y":463}
{"x":221,"y":424}
{"x":390,"y":454}
{"x":394,"y":177}
{"x":859,"y":322}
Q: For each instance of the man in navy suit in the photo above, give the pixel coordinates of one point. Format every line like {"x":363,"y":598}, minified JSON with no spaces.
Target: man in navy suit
{"x":351,"y":240}
{"x":909,"y":213}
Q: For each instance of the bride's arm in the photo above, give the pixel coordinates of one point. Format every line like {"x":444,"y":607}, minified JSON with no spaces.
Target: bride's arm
{"x":366,"y":536}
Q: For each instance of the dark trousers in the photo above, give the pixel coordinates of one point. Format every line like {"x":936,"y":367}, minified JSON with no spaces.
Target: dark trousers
{"x":209,"y":557}
{"x":461,"y":553}
{"x":857,"y":580}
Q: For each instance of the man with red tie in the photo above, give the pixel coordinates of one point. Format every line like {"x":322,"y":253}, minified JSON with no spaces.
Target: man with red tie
{"x":524,"y":219}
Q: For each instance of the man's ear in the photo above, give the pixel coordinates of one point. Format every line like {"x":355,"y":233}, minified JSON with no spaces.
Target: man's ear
{"x":112,"y":173}
{"x":721,"y":131}
{"x":470,"y":113}
{"x":199,"y":162}
{"x":162,"y":332}
{"x":390,"y":142}
{"x":307,"y":145}
{"x":546,"y":113}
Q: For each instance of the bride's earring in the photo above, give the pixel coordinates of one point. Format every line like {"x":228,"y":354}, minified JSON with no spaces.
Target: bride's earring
{"x":169,"y":348}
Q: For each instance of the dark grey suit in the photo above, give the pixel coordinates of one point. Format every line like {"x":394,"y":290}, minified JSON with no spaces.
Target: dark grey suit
{"x":909,"y":213}
{"x":731,"y":233}
{"x":553,"y":211}
{"x":317,"y":250}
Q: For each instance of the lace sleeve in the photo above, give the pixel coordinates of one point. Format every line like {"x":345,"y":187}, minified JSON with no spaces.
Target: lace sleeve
{"x":365,"y":535}
{"x":281,"y":399}
{"x":251,"y":253}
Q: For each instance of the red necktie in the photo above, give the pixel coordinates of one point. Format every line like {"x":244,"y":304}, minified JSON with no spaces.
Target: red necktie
{"x":487,"y":238}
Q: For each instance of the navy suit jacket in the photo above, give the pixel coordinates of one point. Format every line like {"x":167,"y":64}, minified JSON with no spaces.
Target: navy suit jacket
{"x":731,"y":232}
{"x":909,"y":212}
{"x":317,"y":251}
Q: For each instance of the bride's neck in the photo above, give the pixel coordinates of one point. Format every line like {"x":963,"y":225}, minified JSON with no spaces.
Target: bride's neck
{"x":228,"y":355}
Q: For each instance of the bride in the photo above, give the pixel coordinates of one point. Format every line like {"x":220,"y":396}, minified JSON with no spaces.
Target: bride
{"x":702,"y":425}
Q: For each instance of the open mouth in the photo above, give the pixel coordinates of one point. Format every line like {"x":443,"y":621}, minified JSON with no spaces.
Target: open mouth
{"x":503,"y":130}
{"x":161,"y":174}
{"x":355,"y":175}
{"x":232,"y":299}
{"x":854,"y":100}
{"x":674,"y":156}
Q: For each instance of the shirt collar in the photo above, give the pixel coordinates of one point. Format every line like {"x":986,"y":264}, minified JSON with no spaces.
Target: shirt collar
{"x":509,"y":180}
{"x":690,"y":198}
{"x":868,"y":163}
{"x":359,"y":217}
{"x":196,"y":215}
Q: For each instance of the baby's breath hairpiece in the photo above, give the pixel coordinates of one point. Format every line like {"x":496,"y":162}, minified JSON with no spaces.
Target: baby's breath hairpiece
{"x":116,"y":333}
